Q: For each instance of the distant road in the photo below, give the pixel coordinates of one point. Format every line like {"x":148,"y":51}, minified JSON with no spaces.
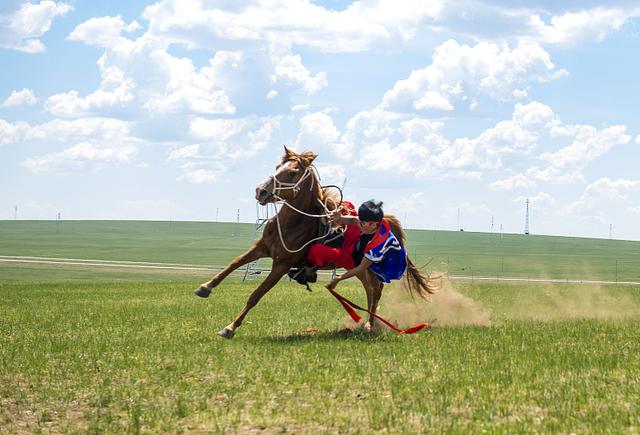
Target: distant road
{"x":196,"y":267}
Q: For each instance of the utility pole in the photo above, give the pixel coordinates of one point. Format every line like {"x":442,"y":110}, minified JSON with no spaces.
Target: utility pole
{"x":610,"y":231}
{"x":491,"y":224}
{"x":235,"y":233}
{"x":526,"y":220}
{"x":15,"y":213}
{"x":217,"y":213}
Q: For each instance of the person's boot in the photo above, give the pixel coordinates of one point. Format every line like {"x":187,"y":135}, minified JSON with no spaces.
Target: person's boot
{"x":297,"y":274}
{"x":311,"y":273}
{"x":303,"y":275}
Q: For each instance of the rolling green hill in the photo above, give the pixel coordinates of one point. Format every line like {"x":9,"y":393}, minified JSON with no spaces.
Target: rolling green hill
{"x":215,"y":244}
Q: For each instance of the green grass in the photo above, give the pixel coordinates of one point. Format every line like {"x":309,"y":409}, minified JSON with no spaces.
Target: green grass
{"x":115,"y":357}
{"x":215,"y":244}
{"x":92,"y":349}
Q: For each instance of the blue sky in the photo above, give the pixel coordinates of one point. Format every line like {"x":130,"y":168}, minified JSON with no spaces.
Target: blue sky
{"x":178,"y":109}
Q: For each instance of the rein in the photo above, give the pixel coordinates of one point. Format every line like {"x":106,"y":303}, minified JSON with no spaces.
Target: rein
{"x":349,"y":307}
{"x":279,"y":186}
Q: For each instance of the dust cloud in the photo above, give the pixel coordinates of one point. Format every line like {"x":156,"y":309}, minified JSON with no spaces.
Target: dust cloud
{"x":508,"y":301}
{"x":573,"y":301}
{"x":447,"y":307}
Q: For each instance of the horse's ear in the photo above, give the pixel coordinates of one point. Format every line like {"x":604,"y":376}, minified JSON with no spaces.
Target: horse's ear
{"x":288,"y":154}
{"x":307,"y":158}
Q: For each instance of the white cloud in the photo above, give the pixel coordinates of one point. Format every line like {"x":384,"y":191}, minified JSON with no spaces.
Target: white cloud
{"x":299,"y":107}
{"x":601,"y":196}
{"x":390,"y":142}
{"x":271,"y":94}
{"x":610,"y":189}
{"x":541,"y":200}
{"x":288,"y":68}
{"x":188,"y":89}
{"x":95,"y":128}
{"x":361,"y":26}
{"x":184,"y":152}
{"x":589,"y":144}
{"x":406,"y":204}
{"x":545,"y":22}
{"x":141,"y":74}
{"x":516,"y":181}
{"x":367,"y":128}
{"x":11,"y":133}
{"x":518,"y":136}
{"x":199,"y":176}
{"x":222,"y":143}
{"x":62,"y":130}
{"x":458,"y":72}
{"x":585,"y":25}
{"x":96,"y":142}
{"x":103,"y":31}
{"x":318,"y":131}
{"x":21,"y":30}
{"x":20,"y":98}
{"x":79,"y":156}
{"x":334,"y":174}
{"x":116,"y":89}
{"x":217,"y":130}
{"x":233,"y":138}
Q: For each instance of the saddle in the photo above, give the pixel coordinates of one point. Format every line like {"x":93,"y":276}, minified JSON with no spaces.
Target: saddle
{"x":305,"y":273}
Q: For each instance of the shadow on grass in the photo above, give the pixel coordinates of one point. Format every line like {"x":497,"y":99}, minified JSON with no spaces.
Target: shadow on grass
{"x":325,"y":336}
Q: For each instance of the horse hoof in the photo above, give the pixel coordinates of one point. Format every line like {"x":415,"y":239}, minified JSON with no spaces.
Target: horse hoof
{"x":226,"y":333}
{"x":202,"y":291}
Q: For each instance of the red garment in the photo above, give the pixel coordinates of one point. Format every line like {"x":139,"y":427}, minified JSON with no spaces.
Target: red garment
{"x":348,"y":209}
{"x":321,"y":255}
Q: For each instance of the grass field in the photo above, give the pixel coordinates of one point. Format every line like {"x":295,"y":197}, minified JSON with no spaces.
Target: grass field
{"x":97,"y":350}
{"x":215,"y":244}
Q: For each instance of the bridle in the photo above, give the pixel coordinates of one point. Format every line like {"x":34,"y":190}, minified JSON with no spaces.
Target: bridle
{"x":279,"y":186}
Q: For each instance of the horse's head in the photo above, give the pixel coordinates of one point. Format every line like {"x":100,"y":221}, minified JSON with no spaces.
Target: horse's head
{"x":289,"y":175}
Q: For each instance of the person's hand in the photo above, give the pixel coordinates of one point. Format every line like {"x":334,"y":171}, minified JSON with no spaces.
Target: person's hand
{"x":335,"y":217}
{"x":332,"y":285}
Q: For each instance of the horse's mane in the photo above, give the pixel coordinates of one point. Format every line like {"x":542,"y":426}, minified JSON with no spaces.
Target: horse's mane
{"x":330,"y":197}
{"x":305,"y":158}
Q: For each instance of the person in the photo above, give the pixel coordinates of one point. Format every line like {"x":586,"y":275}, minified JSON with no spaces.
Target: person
{"x":368,"y":243}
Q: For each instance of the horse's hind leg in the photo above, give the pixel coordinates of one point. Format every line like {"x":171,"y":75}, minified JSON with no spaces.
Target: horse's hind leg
{"x":256,"y":251}
{"x":373,"y":288}
{"x":277,"y":272}
{"x":376,"y":293}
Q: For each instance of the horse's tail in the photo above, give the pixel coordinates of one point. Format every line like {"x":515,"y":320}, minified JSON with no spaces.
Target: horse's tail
{"x":421,"y":283}
{"x":417,"y":282}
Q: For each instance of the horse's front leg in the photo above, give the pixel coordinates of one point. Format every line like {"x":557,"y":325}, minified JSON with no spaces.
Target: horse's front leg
{"x":277,"y":272}
{"x":255,"y":252}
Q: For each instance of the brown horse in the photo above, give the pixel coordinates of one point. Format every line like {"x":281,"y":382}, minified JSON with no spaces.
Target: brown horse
{"x":296,"y":224}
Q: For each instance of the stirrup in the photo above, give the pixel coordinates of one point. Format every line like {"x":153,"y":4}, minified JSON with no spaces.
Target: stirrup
{"x":303,"y":275}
